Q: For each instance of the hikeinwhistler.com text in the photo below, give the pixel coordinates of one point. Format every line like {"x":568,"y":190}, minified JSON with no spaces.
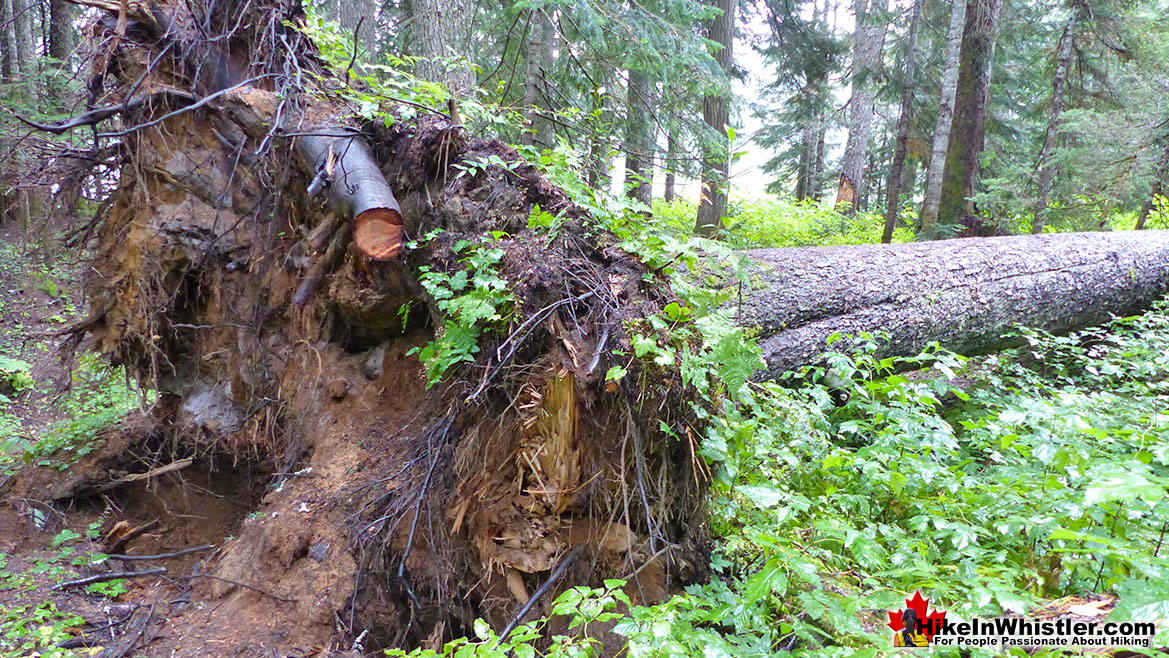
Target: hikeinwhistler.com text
{"x":1021,"y":632}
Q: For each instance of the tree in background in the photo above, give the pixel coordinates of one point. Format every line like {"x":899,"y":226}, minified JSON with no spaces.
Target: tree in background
{"x":537,"y":95}
{"x":941,"y":141}
{"x":716,"y":153}
{"x":969,"y":124}
{"x":805,"y":54}
{"x":871,"y":21}
{"x":442,"y":42}
{"x":905,"y":118}
{"x":1063,"y":65}
{"x":639,"y":136}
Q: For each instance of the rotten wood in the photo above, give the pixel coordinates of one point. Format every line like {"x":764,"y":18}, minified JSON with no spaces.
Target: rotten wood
{"x":121,"y":542}
{"x":322,"y":266}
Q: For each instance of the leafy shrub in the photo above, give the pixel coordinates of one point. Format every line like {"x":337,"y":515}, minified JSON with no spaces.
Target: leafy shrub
{"x":775,"y":222}
{"x":469,"y":300}
{"x":100,"y":397}
{"x":15,"y":376}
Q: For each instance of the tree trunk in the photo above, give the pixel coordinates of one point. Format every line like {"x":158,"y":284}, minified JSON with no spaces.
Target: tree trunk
{"x":1155,"y":197}
{"x":901,"y":147}
{"x":639,"y":137}
{"x":349,"y":15}
{"x":909,"y":177}
{"x":10,"y":42}
{"x":803,"y":169}
{"x":598,"y":164}
{"x":966,"y":294}
{"x":716,"y":156}
{"x":817,"y":179}
{"x":866,"y":56}
{"x":540,"y":44}
{"x":928,"y":217}
{"x":61,"y":30}
{"x":969,"y":127}
{"x":1063,"y":65}
{"x":442,"y":41}
{"x":27,"y":58}
{"x":671,"y":165}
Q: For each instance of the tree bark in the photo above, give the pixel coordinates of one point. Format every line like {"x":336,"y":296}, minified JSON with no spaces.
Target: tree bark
{"x":1156,"y":194}
{"x":540,"y":44}
{"x":928,"y":217}
{"x":61,"y":31}
{"x":969,"y":127}
{"x":639,"y":137}
{"x":866,"y":55}
{"x":966,"y":294}
{"x":901,"y":147}
{"x":358,"y":185}
{"x":350,"y":14}
{"x":817,"y":180}
{"x":442,"y":41}
{"x":27,"y":58}
{"x":671,"y":164}
{"x":9,"y":41}
{"x":8,"y":63}
{"x":716,"y":156}
{"x":1063,"y":65}
{"x":809,"y":171}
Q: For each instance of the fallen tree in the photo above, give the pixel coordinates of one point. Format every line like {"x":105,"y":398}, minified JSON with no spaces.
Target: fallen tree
{"x":967,"y":294}
{"x":278,"y":329}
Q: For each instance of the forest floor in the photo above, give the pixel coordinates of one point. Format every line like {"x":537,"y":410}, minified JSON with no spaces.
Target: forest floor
{"x":49,"y":414}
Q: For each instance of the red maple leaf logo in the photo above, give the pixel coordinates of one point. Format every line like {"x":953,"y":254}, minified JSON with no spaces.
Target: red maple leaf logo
{"x":932,"y":621}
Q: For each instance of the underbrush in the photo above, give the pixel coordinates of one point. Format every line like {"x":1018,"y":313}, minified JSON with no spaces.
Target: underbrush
{"x":989,"y":484}
{"x":992,"y":485}
{"x":775,"y":222}
{"x":98,"y":397}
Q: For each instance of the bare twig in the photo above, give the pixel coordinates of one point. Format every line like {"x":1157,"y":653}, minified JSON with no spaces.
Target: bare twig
{"x":442,"y":431}
{"x":238,"y":584}
{"x":106,"y":577}
{"x":83,"y":641}
{"x":164,"y":556}
{"x":356,"y":47}
{"x":193,"y":106}
{"x":557,"y":574}
{"x":130,"y":645}
{"x":597,"y":352}
{"x":517,"y":338}
{"x":97,"y":115}
{"x":134,"y":477}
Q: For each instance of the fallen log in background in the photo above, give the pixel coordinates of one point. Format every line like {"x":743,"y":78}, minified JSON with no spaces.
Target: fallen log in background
{"x":967,"y":294}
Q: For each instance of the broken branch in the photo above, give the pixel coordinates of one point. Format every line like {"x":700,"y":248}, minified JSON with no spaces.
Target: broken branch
{"x":106,"y":577}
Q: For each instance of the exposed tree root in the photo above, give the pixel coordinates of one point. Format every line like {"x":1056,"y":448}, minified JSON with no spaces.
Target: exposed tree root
{"x":275,"y":331}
